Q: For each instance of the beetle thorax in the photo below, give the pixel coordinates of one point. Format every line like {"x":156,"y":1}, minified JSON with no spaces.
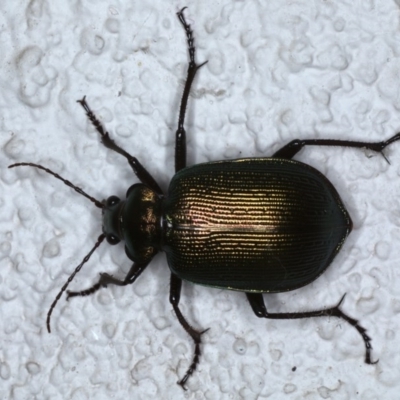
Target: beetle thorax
{"x":135,"y":220}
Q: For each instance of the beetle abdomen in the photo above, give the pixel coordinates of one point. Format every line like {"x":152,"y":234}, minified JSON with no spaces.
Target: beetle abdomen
{"x":265,"y":224}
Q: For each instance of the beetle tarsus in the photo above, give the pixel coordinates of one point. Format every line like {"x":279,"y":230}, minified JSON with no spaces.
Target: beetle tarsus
{"x":93,"y":119}
{"x":196,"y":336}
{"x":105,"y":279}
{"x":193,"y":365}
{"x":189,"y":35}
{"x":82,"y":293}
{"x":337,"y":312}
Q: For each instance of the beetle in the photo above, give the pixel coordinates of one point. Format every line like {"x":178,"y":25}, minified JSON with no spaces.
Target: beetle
{"x":255,"y":225}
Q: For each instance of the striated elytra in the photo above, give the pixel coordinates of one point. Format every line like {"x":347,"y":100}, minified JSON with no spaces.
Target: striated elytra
{"x":256,"y":225}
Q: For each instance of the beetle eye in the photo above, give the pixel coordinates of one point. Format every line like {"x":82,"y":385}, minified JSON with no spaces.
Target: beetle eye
{"x":112,"y":239}
{"x":112,"y":200}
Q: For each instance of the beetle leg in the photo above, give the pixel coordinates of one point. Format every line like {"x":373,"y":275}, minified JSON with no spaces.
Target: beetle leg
{"x":180,"y":136}
{"x":257,"y":304}
{"x":106,"y":279}
{"x":292,"y":148}
{"x":174,"y":296}
{"x":141,"y":172}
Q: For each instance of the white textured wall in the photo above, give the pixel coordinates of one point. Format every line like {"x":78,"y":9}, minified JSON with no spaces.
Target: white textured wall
{"x":277,"y":70}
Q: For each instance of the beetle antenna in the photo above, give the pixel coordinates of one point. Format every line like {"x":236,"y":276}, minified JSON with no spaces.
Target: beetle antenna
{"x":97,"y":203}
{"x":72,"y":276}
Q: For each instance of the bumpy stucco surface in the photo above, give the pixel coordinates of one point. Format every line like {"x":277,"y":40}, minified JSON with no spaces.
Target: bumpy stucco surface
{"x":277,"y":70}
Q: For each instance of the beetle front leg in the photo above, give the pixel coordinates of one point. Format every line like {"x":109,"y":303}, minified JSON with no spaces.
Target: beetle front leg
{"x":257,"y":304}
{"x":106,"y":279}
{"x":174,"y":296}
{"x":292,"y":148}
{"x":180,"y":136}
{"x":140,"y":171}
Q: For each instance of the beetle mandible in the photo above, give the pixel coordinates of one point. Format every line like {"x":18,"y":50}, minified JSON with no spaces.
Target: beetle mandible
{"x":255,"y":225}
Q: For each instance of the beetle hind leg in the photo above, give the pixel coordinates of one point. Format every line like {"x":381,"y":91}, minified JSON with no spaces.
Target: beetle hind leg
{"x":291,"y":149}
{"x":175,"y":293}
{"x":256,"y":301}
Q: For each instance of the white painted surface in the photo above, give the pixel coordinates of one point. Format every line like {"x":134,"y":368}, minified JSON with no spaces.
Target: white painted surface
{"x":277,"y":70}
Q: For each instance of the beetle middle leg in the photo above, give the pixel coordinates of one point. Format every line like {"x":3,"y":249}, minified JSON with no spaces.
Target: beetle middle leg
{"x":256,"y":301}
{"x":292,"y":148}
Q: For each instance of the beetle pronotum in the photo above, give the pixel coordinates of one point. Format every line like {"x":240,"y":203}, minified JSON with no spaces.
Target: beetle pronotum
{"x":255,"y":225}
